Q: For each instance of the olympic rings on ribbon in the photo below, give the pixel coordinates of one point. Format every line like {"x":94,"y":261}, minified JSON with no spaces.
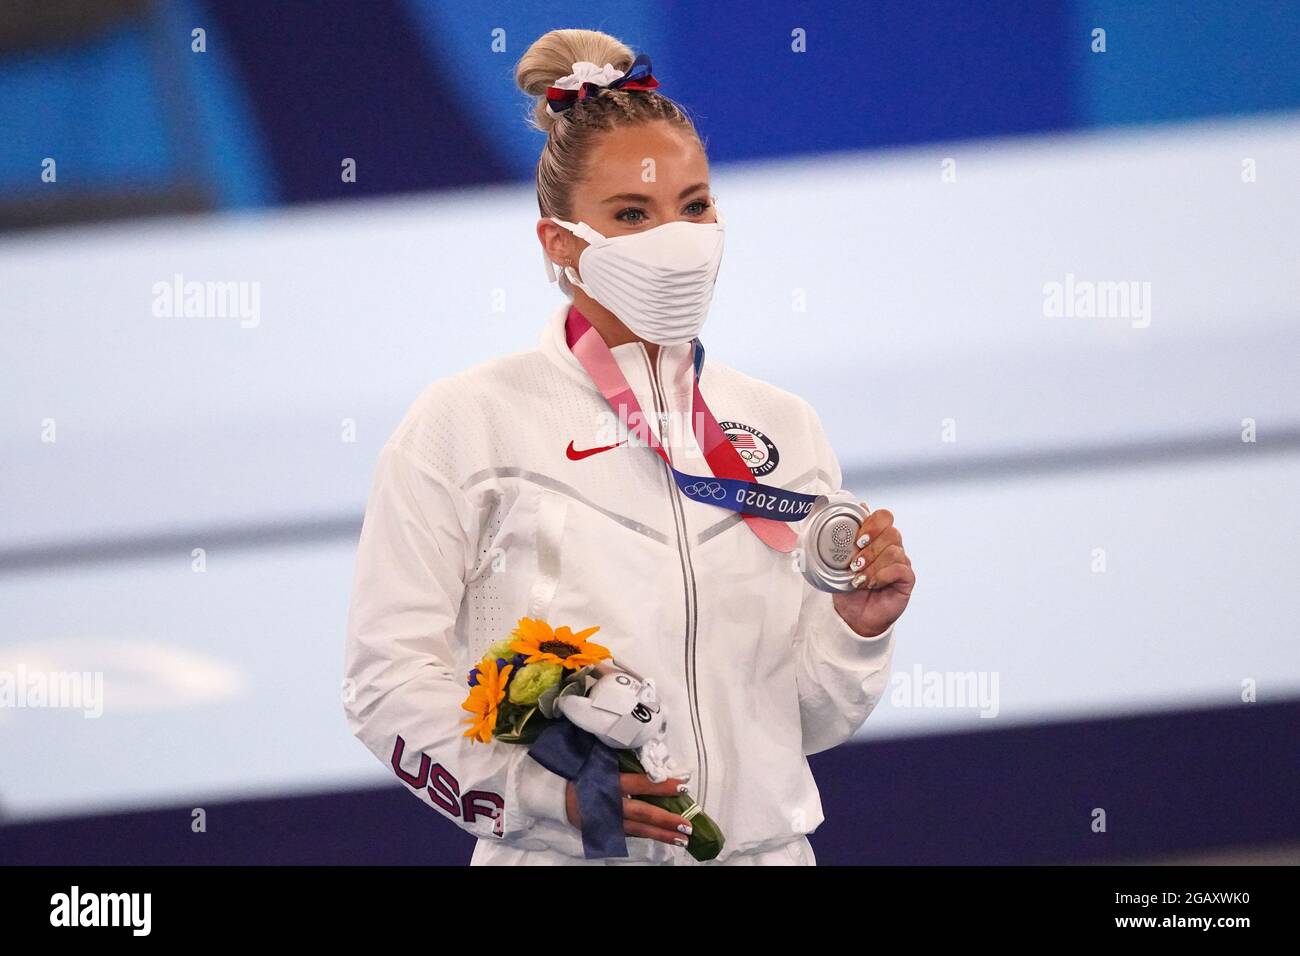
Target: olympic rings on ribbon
{"x":706,"y":489}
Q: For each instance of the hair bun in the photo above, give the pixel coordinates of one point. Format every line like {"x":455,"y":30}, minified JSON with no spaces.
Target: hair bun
{"x":552,"y":56}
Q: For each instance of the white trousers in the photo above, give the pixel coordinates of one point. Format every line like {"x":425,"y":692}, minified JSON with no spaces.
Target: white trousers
{"x":797,"y":852}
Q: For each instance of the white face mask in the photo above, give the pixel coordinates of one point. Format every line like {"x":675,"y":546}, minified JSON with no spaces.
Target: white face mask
{"x":658,"y":283}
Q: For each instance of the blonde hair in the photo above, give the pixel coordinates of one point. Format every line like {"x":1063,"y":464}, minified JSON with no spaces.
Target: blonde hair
{"x":571,"y":135}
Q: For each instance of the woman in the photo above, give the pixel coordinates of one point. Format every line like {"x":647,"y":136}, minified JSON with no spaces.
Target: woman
{"x":516,"y":489}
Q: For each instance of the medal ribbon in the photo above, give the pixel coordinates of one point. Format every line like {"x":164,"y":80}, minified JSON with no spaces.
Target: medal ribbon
{"x":765,"y":508}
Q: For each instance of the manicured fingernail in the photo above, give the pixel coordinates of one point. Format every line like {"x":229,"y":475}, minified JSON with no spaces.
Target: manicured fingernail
{"x":857,"y":564}
{"x":684,"y":828}
{"x":682,"y":788}
{"x":681,"y":841}
{"x":862,"y":541}
{"x":857,"y":582}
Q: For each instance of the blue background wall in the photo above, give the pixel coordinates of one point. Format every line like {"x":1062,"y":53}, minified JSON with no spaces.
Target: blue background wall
{"x":418,"y":92}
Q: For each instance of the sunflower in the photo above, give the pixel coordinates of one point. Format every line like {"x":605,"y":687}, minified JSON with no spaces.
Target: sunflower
{"x":487,"y":692}
{"x":537,"y":642}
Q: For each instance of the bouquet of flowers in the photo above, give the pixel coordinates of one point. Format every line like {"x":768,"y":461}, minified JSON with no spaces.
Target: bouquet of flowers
{"x":583,"y":716}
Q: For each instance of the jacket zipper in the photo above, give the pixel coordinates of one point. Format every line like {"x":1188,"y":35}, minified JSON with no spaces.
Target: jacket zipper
{"x":688,"y":583}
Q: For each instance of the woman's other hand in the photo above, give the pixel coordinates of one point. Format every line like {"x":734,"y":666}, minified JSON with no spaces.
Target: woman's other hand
{"x":641,"y":819}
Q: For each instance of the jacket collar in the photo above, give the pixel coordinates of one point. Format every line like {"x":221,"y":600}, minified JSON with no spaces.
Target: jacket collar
{"x":676,"y":360}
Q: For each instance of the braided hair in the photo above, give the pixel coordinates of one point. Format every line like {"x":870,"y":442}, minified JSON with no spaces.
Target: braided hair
{"x":571,"y":135}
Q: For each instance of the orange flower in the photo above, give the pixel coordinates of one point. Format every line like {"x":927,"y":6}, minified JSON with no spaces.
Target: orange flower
{"x":483,"y":699}
{"x":538,"y":642}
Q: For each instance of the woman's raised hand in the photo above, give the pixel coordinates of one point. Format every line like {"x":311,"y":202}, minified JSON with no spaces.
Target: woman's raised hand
{"x":883,"y":577}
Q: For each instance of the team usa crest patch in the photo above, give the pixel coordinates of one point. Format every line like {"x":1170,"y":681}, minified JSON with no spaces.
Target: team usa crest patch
{"x":756,"y":449}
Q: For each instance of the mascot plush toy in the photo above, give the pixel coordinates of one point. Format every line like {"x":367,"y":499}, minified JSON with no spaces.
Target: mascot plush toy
{"x":622,"y":710}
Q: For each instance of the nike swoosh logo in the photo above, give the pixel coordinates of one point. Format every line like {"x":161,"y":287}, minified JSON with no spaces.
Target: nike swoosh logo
{"x":575,"y":455}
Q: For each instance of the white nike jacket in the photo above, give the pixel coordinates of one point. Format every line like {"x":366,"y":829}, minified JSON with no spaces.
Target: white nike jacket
{"x":491,"y":502}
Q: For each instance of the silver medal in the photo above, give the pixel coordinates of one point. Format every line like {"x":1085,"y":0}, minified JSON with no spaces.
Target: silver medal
{"x":828,"y":541}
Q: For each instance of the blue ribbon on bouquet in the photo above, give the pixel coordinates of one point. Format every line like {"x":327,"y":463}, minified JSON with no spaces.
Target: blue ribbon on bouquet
{"x":575,"y":754}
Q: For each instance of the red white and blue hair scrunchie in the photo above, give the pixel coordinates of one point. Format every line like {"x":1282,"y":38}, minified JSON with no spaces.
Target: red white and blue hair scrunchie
{"x":588,"y":79}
